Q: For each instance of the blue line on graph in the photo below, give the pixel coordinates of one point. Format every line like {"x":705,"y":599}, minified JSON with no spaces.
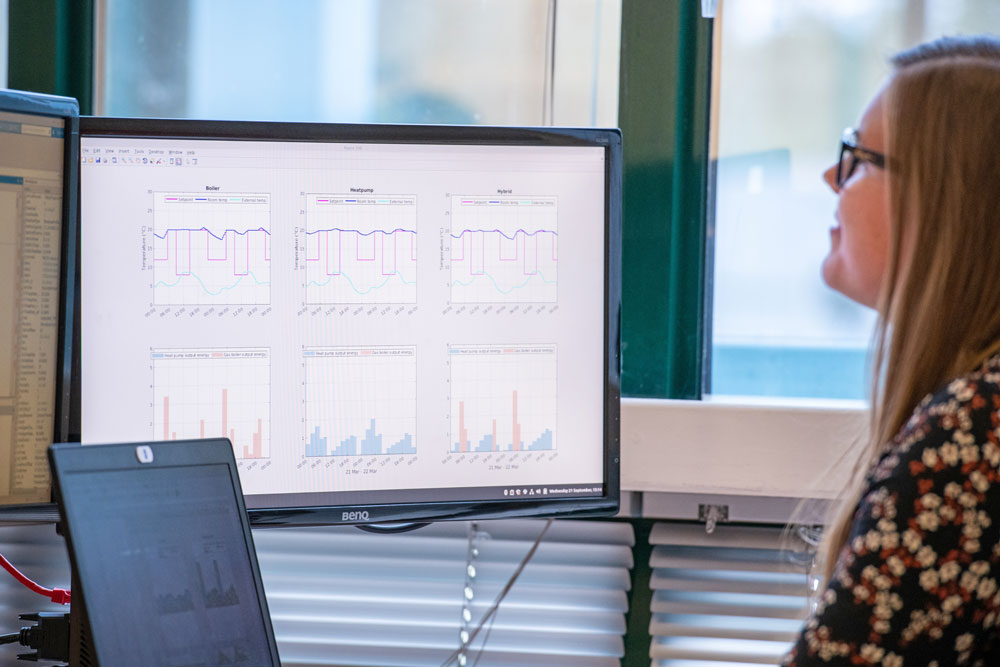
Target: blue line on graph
{"x":500,"y":289}
{"x":206,"y":229}
{"x":361,"y":233}
{"x":511,"y":238}
{"x":369,"y":290}
{"x":208,"y":291}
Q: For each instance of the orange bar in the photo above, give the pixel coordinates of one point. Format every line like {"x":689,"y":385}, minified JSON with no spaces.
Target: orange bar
{"x":166,"y":417}
{"x":202,"y":428}
{"x":256,"y":440}
{"x":496,"y":447}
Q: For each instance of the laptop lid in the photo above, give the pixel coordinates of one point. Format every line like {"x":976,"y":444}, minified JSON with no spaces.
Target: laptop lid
{"x":159,"y":539}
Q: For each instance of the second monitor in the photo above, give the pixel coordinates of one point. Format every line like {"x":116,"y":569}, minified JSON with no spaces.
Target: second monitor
{"x":389,"y":322}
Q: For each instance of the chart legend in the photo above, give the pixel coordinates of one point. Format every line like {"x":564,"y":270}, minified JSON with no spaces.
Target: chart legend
{"x":360,"y":401}
{"x":211,"y":249}
{"x":503,"y":398}
{"x":504,"y":249}
{"x":361,"y":249}
{"x":211,"y":393}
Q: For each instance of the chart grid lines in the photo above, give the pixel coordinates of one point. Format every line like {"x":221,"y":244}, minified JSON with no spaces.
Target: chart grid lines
{"x":211,"y":250}
{"x":213,"y":392}
{"x":504,"y":250}
{"x":503,"y":398}
{"x":360,"y":401}
{"x":361,"y":249}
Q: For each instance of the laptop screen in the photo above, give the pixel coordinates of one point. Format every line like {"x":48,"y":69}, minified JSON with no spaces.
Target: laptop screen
{"x":165,"y":561}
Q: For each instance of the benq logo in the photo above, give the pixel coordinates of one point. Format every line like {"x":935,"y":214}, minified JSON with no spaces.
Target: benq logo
{"x":355,"y":516}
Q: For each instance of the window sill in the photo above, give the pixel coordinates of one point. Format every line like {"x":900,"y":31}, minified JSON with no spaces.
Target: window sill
{"x":744,"y":448}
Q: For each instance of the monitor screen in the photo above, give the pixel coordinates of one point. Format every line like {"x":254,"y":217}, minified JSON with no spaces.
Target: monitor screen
{"x":38,"y":171}
{"x":388,"y":322}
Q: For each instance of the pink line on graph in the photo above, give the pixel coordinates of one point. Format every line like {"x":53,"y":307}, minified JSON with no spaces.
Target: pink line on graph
{"x":336,"y":271}
{"x":525,"y":266}
{"x":225,"y":245}
{"x":357,"y":248}
{"x":246,"y":239}
{"x":392,"y":271}
{"x":500,"y":242}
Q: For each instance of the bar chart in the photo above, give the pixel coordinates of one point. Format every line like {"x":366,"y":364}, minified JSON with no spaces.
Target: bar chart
{"x":214,"y":392}
{"x":211,"y":249}
{"x":361,"y":249}
{"x":503,"y":398}
{"x":504,"y":249}
{"x":360,"y":401}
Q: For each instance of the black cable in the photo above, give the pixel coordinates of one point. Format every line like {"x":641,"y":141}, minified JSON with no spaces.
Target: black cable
{"x":10,"y":639}
{"x":486,"y":638}
{"x":491,"y":612}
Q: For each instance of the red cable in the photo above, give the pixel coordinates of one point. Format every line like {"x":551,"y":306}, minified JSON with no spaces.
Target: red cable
{"x":57,"y":595}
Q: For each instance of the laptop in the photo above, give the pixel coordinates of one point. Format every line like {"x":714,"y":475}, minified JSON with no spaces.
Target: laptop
{"x":162,"y":555}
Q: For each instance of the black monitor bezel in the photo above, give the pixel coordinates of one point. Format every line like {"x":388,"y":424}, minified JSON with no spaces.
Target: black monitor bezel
{"x":609,"y":139}
{"x":67,"y":109}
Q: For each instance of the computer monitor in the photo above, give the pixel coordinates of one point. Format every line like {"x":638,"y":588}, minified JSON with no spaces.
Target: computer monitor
{"x":163,"y":560}
{"x":38,"y":204}
{"x":390,"y":323}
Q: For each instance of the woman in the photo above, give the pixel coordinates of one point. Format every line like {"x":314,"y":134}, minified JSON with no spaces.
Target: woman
{"x":913,"y":562}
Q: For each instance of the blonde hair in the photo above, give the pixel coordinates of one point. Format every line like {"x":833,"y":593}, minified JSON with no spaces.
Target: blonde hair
{"x":939,"y":306}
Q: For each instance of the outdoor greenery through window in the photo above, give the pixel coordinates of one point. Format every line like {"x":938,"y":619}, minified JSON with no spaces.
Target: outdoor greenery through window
{"x":793,"y":75}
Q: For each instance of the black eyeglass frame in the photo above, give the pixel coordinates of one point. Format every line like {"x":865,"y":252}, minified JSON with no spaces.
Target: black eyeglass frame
{"x":849,"y":145}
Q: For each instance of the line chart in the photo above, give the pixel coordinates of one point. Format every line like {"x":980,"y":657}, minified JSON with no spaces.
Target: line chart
{"x":211,"y":249}
{"x":504,"y":249}
{"x":361,"y":249}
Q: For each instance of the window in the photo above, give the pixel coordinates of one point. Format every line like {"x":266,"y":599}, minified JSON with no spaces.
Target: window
{"x":502,"y":62}
{"x":792,"y":75}
{"x":3,"y":43}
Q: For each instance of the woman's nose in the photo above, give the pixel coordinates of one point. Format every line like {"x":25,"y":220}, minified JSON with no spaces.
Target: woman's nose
{"x":830,"y":176}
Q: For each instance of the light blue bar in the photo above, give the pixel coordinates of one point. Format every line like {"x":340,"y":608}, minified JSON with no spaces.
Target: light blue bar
{"x":543,"y":442}
{"x":317,"y":445}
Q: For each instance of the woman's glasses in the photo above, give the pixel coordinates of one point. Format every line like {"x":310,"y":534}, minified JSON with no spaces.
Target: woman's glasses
{"x":851,"y":154}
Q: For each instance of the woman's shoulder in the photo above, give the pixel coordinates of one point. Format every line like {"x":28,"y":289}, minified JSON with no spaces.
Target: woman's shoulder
{"x":956,"y":425}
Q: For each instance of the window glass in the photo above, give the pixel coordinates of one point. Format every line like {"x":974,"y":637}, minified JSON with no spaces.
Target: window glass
{"x":792,"y":76}
{"x":4,"y":29}
{"x":516,"y":62}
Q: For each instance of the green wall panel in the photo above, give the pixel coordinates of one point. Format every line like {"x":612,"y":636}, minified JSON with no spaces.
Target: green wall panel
{"x":663,"y":112}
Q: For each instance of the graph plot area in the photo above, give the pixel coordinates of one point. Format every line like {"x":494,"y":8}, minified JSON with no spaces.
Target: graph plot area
{"x":361,"y":249}
{"x":503,"y":398}
{"x":211,"y":393}
{"x":211,"y":249}
{"x":504,"y":249}
{"x":360,"y":401}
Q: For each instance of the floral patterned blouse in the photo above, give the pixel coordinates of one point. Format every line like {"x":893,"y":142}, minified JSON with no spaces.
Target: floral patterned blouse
{"x":916,"y":583}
